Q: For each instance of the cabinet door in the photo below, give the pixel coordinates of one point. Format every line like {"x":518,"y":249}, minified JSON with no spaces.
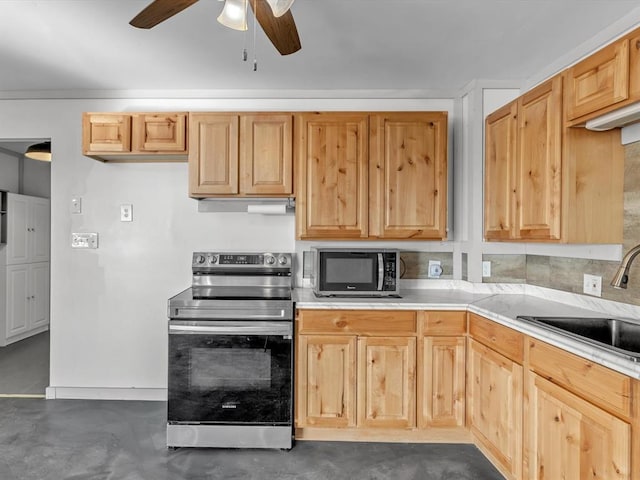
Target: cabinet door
{"x":106,"y":132}
{"x":386,"y":382}
{"x":213,"y":154}
{"x":18,"y":300}
{"x":408,"y":175}
{"x":40,"y":230}
{"x":332,"y":196}
{"x":539,"y":163}
{"x":18,"y":229}
{"x":326,"y":381}
{"x":598,"y":81}
{"x":39,"y":295}
{"x":266,"y":151}
{"x":634,"y":67}
{"x":441,"y":396}
{"x":494,"y":405}
{"x":572,"y":439}
{"x":500,"y":173}
{"x":159,"y":132}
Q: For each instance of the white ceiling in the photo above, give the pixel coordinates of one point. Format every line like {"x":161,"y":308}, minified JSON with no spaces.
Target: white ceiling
{"x":437,"y":45}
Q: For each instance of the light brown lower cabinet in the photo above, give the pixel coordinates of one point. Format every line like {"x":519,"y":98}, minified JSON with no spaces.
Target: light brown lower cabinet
{"x":326,"y":379}
{"x":570,"y":438}
{"x":494,"y":406}
{"x":351,"y":372}
{"x":386,"y":382}
{"x":441,"y":369}
{"x":536,"y":411}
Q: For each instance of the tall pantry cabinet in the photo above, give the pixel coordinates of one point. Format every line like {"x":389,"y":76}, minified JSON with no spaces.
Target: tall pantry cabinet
{"x":24,"y":267}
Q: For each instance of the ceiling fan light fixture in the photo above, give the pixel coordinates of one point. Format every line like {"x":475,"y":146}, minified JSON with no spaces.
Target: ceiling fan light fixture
{"x":39,"y":151}
{"x":234,"y":14}
{"x":280,"y":7}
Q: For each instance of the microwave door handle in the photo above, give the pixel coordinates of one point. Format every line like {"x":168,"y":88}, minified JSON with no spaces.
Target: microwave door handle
{"x":380,"y":271}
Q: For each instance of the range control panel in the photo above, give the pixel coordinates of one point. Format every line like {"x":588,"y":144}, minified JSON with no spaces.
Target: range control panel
{"x":240,"y":260}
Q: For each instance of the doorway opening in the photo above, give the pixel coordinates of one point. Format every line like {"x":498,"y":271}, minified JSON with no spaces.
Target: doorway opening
{"x":25,"y":231}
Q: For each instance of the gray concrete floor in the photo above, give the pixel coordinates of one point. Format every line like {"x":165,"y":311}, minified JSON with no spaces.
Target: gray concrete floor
{"x":24,"y":366}
{"x":114,"y":440}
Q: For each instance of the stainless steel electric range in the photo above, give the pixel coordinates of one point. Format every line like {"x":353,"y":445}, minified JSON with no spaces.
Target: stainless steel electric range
{"x":231,"y":353}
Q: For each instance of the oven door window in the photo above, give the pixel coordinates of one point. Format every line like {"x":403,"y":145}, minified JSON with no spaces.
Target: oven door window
{"x":230,"y":379}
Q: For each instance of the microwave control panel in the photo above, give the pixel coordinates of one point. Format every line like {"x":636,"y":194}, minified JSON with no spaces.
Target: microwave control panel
{"x":390,"y":272}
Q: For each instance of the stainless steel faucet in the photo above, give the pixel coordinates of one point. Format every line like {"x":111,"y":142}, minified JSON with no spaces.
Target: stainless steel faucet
{"x":621,"y":277}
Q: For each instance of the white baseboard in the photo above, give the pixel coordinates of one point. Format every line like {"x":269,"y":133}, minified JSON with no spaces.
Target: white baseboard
{"x":84,"y":393}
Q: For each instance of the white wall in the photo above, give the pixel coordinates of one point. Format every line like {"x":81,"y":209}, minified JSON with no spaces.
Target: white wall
{"x":109,"y":306}
{"x":36,"y":178}
{"x":9,"y":172}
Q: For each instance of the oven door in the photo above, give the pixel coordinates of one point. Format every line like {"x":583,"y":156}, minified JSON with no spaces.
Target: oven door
{"x":230,"y":372}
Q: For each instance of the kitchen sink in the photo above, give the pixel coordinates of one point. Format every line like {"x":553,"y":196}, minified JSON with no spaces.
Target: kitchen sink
{"x":619,"y":336}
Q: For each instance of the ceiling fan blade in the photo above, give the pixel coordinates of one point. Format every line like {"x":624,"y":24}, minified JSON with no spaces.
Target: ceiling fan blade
{"x":158,"y":11}
{"x":281,"y":31}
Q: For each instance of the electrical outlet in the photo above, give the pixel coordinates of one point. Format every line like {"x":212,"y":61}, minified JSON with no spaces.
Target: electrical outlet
{"x":592,"y":285}
{"x":126,"y":212}
{"x":435,"y":269}
{"x":486,"y":268}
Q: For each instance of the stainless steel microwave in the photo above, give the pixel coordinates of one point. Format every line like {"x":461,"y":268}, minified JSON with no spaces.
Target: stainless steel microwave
{"x":364,"y":272}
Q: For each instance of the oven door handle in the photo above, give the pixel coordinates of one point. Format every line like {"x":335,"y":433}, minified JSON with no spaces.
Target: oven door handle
{"x":226,"y":314}
{"x":252,"y":328}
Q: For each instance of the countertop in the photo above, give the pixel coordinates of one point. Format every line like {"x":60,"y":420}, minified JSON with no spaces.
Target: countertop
{"x":503,"y":308}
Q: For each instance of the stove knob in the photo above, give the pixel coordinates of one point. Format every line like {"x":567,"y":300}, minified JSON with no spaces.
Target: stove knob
{"x":282,"y":260}
{"x":270,"y":260}
{"x":213,"y":259}
{"x":200,"y":259}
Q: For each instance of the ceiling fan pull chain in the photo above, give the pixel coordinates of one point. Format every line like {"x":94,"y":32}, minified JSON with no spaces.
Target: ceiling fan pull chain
{"x":255,"y":55}
{"x":244,"y":37}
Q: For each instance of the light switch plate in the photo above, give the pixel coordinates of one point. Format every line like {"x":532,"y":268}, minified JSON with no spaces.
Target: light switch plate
{"x":126,"y":212}
{"x":76,"y":204}
{"x":84,"y":240}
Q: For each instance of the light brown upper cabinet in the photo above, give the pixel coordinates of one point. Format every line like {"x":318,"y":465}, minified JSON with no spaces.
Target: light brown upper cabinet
{"x":501,"y":132}
{"x":135,"y":137}
{"x":332,"y":189}
{"x":371,"y":175}
{"x":240,"y":154}
{"x":522,"y":166}
{"x":604,"y":81}
{"x":548,"y":182}
{"x":408,"y":175}
{"x":599,"y":80}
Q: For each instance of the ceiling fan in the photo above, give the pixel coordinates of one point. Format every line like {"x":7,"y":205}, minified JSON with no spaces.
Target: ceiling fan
{"x":274,"y":17}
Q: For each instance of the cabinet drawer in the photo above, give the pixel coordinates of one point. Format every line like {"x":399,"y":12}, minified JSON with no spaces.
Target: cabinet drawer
{"x":600,"y":385}
{"x":442,"y":323}
{"x":502,"y":339}
{"x":359,"y":322}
